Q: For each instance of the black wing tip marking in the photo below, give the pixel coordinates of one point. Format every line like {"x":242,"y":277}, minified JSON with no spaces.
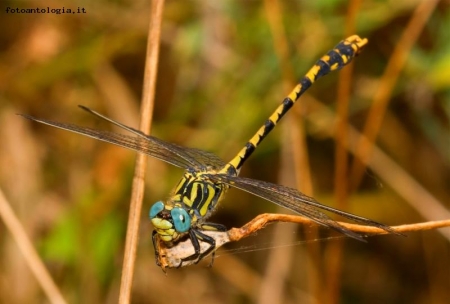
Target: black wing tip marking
{"x":349,"y":233}
{"x":89,"y":110}
{"x":115,"y":122}
{"x":32,"y":118}
{"x":26,"y":116}
{"x":391,"y":230}
{"x":86,"y":109}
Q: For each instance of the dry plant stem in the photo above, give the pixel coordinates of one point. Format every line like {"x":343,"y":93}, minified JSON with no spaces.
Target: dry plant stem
{"x":387,"y":84}
{"x":335,"y":250}
{"x":259,"y":222}
{"x":148,"y":94}
{"x":272,"y":287}
{"x":32,"y":258}
{"x":170,"y":257}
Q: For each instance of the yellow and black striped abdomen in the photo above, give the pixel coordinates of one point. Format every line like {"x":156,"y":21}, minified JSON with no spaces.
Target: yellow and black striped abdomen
{"x":335,"y":59}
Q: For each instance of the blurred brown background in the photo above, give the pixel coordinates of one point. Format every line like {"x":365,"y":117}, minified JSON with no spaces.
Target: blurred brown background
{"x":219,"y":78}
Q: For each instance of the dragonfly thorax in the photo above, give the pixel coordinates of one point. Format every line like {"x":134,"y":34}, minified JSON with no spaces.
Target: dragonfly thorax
{"x":193,"y":200}
{"x":196,"y":192}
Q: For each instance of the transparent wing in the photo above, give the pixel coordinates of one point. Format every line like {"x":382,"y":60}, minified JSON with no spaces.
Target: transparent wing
{"x":174,"y":154}
{"x":296,"y":201}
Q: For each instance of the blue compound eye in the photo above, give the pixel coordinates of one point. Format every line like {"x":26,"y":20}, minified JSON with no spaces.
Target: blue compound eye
{"x":181,"y":219}
{"x":155,"y":209}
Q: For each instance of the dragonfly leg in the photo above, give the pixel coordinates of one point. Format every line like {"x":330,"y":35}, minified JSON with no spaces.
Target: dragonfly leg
{"x":207,"y":239}
{"x":155,"y":246}
{"x":195,"y":235}
{"x":213,"y":227}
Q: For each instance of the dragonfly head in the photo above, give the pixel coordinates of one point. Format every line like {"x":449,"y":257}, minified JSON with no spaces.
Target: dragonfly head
{"x":169,"y":222}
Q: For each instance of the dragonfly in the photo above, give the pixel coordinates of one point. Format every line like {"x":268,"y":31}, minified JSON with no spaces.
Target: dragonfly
{"x":207,"y":177}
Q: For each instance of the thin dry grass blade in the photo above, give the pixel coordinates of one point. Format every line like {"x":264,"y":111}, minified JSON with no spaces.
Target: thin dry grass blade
{"x":294,"y":152}
{"x":387,"y":84}
{"x":335,"y":250}
{"x":30,"y":254}
{"x":151,"y":67}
